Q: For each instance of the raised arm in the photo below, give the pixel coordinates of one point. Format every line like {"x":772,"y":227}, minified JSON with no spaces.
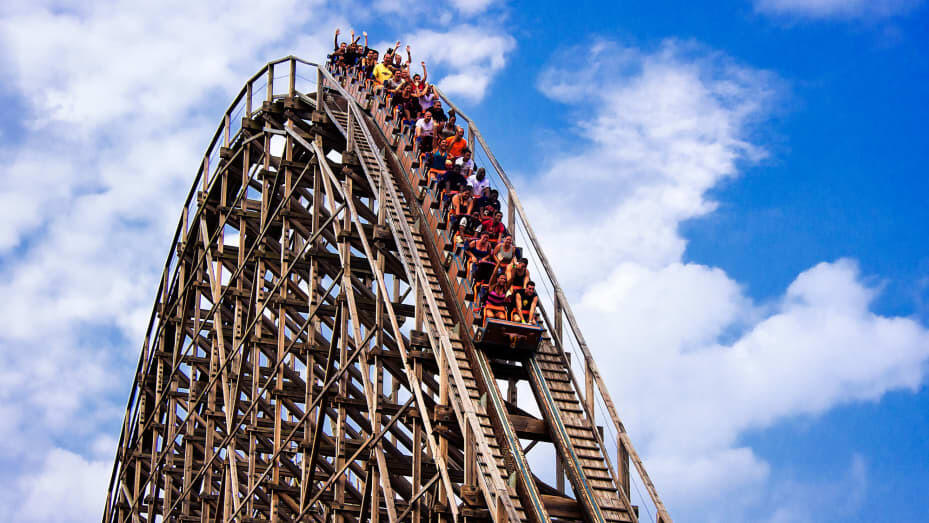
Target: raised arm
{"x":409,"y":57}
{"x":365,"y":33}
{"x":425,"y":74}
{"x":335,"y":41}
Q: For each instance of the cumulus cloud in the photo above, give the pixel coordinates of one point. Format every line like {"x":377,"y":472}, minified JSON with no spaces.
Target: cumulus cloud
{"x":467,"y":55}
{"x":67,"y":488}
{"x":836,"y":8}
{"x":120,"y":101}
{"x":691,"y":359}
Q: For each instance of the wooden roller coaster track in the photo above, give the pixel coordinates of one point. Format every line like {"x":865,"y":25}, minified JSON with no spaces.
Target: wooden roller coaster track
{"x":311,"y":354}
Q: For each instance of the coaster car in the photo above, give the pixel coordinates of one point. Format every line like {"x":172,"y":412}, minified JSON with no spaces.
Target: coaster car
{"x":508,"y":339}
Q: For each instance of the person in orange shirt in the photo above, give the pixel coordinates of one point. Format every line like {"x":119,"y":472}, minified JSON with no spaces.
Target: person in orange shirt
{"x":456,"y":144}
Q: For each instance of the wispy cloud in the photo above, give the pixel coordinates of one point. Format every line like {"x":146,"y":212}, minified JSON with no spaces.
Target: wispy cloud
{"x":841,"y":9}
{"x":692,"y":360}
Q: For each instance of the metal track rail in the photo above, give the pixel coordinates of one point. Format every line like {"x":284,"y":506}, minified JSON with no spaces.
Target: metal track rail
{"x":576,"y":439}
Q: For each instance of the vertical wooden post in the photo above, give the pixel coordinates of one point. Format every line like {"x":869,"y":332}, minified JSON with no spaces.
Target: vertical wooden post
{"x":320,"y":91}
{"x":350,"y":136}
{"x":248,"y":100}
{"x":206,"y":172}
{"x":622,"y":459}
{"x":270,"y":82}
{"x":589,"y":390}
{"x":292,"y":86}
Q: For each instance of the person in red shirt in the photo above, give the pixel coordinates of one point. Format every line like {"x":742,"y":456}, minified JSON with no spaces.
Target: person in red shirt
{"x":456,"y":144}
{"x":493,"y":226}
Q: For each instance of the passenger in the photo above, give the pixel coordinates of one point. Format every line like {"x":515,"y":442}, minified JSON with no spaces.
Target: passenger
{"x":460,"y":207}
{"x":403,"y":104}
{"x":368,"y":63}
{"x":338,"y":50}
{"x":479,"y":251}
{"x":352,"y":52}
{"x":494,"y":227}
{"x":419,"y":83}
{"x":438,"y":114}
{"x":468,"y":226}
{"x":366,"y":49}
{"x":436,"y":160}
{"x":425,"y":131}
{"x":449,"y":128}
{"x":393,"y":86}
{"x":483,"y":201}
{"x":399,"y":94}
{"x":465,"y":163}
{"x":427,"y":98}
{"x":495,"y":302}
{"x":524,"y":303}
{"x":454,"y":180}
{"x":381,"y":72}
{"x":411,"y":106}
{"x":494,"y":200}
{"x":457,"y":144}
{"x":517,"y":274}
{"x":477,"y":181}
{"x":504,"y":253}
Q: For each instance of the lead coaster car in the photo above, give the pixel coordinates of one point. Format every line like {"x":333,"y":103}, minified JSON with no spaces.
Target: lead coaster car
{"x":508,"y":339}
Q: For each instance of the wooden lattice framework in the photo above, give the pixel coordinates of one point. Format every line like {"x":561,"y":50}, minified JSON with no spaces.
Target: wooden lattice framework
{"x":306,"y":359}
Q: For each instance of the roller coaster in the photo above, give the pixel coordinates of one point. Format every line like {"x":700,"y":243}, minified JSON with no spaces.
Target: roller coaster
{"x":321,"y":346}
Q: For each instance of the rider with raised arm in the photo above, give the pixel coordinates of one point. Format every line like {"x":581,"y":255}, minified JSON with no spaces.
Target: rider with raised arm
{"x":517,"y":274}
{"x":495,"y":301}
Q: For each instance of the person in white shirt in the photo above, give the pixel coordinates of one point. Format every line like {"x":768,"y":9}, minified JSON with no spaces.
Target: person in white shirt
{"x":425,"y":130}
{"x":478,"y":181}
{"x":465,"y":164}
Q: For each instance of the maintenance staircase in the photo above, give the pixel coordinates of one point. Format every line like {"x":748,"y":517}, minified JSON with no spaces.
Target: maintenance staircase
{"x":368,"y":385}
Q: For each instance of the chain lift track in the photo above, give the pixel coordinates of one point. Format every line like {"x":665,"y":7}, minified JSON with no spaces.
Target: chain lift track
{"x":311,"y":355}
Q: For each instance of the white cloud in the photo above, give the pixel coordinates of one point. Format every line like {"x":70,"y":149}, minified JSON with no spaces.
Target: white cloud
{"x":67,"y":488}
{"x":662,"y":128}
{"x":470,"y":7}
{"x":836,"y":8}
{"x":468,"y":56}
{"x":122,"y":99}
{"x":435,"y":11}
{"x":692,"y":361}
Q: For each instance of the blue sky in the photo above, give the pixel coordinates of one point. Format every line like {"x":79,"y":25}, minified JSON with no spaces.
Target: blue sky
{"x":735,"y":187}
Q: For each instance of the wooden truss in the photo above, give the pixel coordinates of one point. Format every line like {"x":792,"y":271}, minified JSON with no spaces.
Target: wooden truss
{"x":305,"y":362}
